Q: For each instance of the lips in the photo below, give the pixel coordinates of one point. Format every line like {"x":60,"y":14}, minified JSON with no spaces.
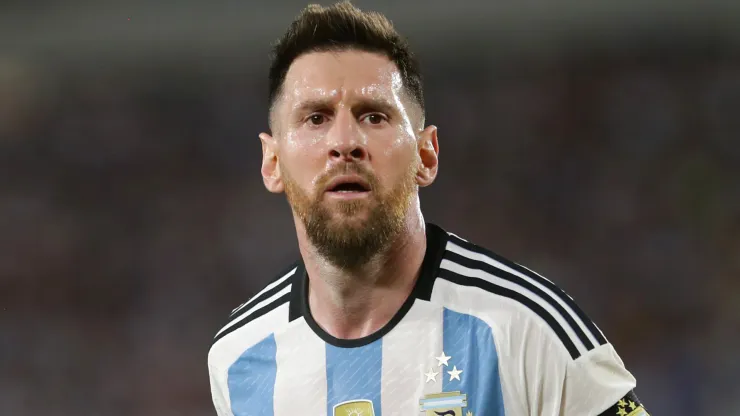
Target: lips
{"x":348,"y":184}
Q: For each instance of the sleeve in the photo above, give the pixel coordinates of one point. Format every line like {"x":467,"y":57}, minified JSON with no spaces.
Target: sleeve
{"x":547,"y":380}
{"x":596,"y":382}
{"x":220,"y":402}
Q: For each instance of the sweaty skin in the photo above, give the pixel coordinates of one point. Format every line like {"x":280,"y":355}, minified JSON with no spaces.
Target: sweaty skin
{"x":320,"y":81}
{"x":350,"y":109}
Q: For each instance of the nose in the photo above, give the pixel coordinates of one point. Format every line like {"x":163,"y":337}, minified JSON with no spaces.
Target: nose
{"x":347,"y":153}
{"x":347,"y":141}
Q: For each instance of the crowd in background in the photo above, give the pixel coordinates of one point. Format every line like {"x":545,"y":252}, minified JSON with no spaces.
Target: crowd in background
{"x":133,"y":216}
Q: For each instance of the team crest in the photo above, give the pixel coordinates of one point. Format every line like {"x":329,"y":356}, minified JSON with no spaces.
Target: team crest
{"x":354,"y":408}
{"x":445,"y":403}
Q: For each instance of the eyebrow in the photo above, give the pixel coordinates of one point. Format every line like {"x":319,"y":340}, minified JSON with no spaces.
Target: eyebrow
{"x":362,"y":103}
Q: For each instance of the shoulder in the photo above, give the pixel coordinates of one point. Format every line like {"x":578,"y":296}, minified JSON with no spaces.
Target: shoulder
{"x":266,"y":304}
{"x":537,"y":326}
{"x":513,"y":298}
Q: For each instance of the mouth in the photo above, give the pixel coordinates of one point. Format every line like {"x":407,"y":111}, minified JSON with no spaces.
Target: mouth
{"x":348,"y":186}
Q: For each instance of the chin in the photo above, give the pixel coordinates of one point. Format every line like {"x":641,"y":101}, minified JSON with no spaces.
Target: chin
{"x":355,"y":220}
{"x":349,"y":209}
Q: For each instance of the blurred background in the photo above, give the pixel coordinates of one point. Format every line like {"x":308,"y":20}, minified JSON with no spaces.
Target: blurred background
{"x":595,"y":142}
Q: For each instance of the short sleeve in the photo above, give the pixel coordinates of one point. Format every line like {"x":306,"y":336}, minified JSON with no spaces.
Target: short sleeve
{"x":595,"y":381}
{"x":544,"y":379}
{"x":217,"y":394}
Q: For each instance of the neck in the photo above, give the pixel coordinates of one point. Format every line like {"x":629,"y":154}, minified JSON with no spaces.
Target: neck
{"x":355,"y":304}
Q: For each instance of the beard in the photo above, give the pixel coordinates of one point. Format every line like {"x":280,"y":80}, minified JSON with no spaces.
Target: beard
{"x":335,"y":230}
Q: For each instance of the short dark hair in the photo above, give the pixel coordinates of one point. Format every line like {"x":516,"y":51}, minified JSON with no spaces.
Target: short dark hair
{"x":342,"y":26}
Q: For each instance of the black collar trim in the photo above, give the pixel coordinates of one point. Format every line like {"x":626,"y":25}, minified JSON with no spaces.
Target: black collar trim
{"x":436,"y":244}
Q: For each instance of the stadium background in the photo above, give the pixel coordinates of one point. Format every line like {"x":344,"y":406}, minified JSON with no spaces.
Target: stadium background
{"x":595,"y":142}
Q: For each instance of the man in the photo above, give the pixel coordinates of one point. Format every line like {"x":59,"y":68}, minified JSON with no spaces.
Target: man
{"x":385,"y":314}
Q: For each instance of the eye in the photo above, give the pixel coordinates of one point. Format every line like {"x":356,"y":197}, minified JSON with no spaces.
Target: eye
{"x":374,"y":118}
{"x":316,"y":119}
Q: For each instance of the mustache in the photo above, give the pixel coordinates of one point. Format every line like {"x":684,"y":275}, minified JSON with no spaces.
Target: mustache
{"x":347,"y":169}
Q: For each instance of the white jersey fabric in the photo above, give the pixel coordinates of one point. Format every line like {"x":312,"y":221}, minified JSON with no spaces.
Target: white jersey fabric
{"x":479,"y":336}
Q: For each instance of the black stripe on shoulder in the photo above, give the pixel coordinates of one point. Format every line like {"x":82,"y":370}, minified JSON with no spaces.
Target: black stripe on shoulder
{"x":299,"y":292}
{"x":256,"y":314}
{"x":508,"y":293}
{"x":539,"y":279}
{"x":479,"y":265}
{"x":262,"y":295}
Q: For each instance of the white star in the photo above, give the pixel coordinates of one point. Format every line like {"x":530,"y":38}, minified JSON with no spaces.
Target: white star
{"x":443,"y":359}
{"x":455,"y":373}
{"x":431,"y":376}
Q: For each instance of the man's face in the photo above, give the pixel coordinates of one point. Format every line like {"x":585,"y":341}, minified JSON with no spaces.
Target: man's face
{"x":347,"y":152}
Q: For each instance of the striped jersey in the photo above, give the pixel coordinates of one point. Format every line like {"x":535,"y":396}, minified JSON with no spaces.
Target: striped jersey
{"x":478,"y":336}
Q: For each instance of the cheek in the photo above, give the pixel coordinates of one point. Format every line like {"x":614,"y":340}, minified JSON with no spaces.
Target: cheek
{"x":399,"y":159}
{"x":300,"y":141}
{"x":402,"y":150}
{"x":402,"y":142}
{"x":302,"y":163}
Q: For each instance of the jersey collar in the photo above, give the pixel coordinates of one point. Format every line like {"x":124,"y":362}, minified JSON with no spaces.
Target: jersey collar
{"x":436,"y":243}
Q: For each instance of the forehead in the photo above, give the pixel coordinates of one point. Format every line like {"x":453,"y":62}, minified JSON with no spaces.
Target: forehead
{"x":345,"y":73}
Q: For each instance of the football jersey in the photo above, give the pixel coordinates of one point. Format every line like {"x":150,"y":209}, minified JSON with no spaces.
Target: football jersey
{"x":478,"y":336}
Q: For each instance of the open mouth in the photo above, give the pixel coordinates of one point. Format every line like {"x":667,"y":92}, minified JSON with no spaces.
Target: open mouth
{"x":348,"y":186}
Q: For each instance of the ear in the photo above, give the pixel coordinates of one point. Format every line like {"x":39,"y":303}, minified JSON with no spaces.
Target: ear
{"x":270,"y":166}
{"x":428,"y":147}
